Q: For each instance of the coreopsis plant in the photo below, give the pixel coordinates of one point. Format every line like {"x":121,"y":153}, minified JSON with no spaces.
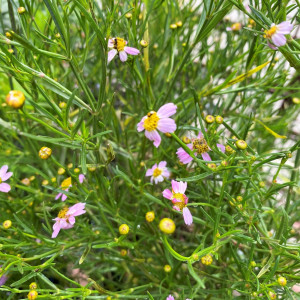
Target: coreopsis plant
{"x":149,"y":149}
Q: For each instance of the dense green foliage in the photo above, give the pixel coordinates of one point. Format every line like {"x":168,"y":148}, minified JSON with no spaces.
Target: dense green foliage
{"x":87,"y":112}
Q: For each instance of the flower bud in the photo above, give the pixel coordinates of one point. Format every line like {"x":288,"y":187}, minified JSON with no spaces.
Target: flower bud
{"x":282,"y":281}
{"x":241,"y":144}
{"x":15,"y":99}
{"x":128,"y":15}
{"x":57,"y":35}
{"x":7,"y":224}
{"x":123,"y":252}
{"x":124,"y":229}
{"x":45,"y":182}
{"x":150,"y":216}
{"x":186,"y":140}
{"x":11,"y":51}
{"x":21,"y":10}
{"x":179,"y":23}
{"x":167,"y":268}
{"x":76,"y":170}
{"x":173,"y":26}
{"x":272,"y":295}
{"x":209,"y":119}
{"x":262,"y":184}
{"x":219,"y":119}
{"x":239,"y":198}
{"x":92,"y":169}
{"x":33,"y":286}
{"x":144,"y":43}
{"x":8,"y":35}
{"x":224,"y":163}
{"x":207,"y":260}
{"x":62,"y":105}
{"x":26,"y":181}
{"x":296,"y":100}
{"x":212,"y":166}
{"x":32,"y":295}
{"x":61,"y":171}
{"x":45,"y":152}
{"x":167,"y":225}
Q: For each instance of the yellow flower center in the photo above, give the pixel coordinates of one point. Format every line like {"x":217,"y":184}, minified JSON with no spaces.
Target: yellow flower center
{"x":66,"y":183}
{"x":270,"y":32}
{"x":200,"y":145}
{"x":119,"y":44}
{"x":151,"y":121}
{"x":157,"y":172}
{"x":179,"y":196}
{"x":0,"y":180}
{"x":63,"y":212}
{"x":236,"y":26}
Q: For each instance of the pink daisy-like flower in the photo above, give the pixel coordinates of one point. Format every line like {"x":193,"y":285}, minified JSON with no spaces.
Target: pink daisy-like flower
{"x":65,"y":185}
{"x":158,"y":173}
{"x":158,"y":120}
{"x":118,"y":46}
{"x":200,"y":146}
{"x":4,"y":175}
{"x":66,"y":217}
{"x":179,"y":199}
{"x":276,"y":34}
{"x":81,"y":177}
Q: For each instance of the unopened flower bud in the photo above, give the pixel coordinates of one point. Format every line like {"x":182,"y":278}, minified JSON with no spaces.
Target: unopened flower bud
{"x":144,"y":43}
{"x":212,"y":166}
{"x":11,"y":51}
{"x":8,"y":35}
{"x":76,"y":170}
{"x":32,"y":295}
{"x":45,"y":182}
{"x":57,"y":35}
{"x":209,"y":119}
{"x":272,"y":295}
{"x":296,"y":100}
{"x":62,"y":105}
{"x":124,"y":229}
{"x":123,"y":252}
{"x":15,"y":99}
{"x":173,"y":26}
{"x":21,"y":10}
{"x":207,"y":260}
{"x":239,"y":198}
{"x":241,"y":144}
{"x":33,"y":286}
{"x":167,"y":225}
{"x":7,"y":224}
{"x":179,"y":23}
{"x":128,"y":15}
{"x":150,"y":216}
{"x":186,"y":140}
{"x":167,"y":268}
{"x":282,"y":281}
{"x":45,"y":152}
{"x":61,"y":171}
{"x":219,"y":119}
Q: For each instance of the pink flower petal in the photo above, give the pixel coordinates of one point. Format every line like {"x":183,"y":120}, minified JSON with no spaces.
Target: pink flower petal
{"x":272,"y":46}
{"x":170,"y":297}
{"x":6,"y":176}
{"x":3,"y":170}
{"x":4,"y":187}
{"x":221,"y":147}
{"x":166,"y":125}
{"x":132,"y":51}
{"x":165,"y":173}
{"x":187,"y":216}
{"x":175,"y":186}
{"x":123,"y":56}
{"x":153,"y":136}
{"x":58,"y":196}
{"x":182,"y":187}
{"x":77,"y":209}
{"x":167,"y":110}
{"x":183,"y":156}
{"x":167,"y":194}
{"x":111,"y":54}
{"x":64,"y":197}
{"x":278,"y":39}
{"x":81,"y":177}
{"x":162,"y":164}
{"x":149,"y":172}
{"x":56,"y":229}
{"x":206,"y":156}
{"x":140,"y":125}
{"x":176,"y":207}
{"x":284,"y":27}
{"x":110,"y":43}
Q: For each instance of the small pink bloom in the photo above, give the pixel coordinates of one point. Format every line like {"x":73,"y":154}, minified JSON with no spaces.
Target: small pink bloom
{"x":199,"y":145}
{"x":118,"y":46}
{"x":81,"y":177}
{"x":158,"y":172}
{"x":179,"y":199}
{"x":276,"y":34}
{"x":66,"y":218}
{"x":4,"y":175}
{"x":158,"y":121}
{"x":170,"y":297}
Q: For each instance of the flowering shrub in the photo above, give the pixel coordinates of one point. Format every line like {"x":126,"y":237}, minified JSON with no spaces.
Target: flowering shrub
{"x":149,"y":149}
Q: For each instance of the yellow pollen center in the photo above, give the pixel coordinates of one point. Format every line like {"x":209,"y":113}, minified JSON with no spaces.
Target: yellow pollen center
{"x":270,"y":32}
{"x":63,"y":212}
{"x":151,"y":121}
{"x":119,"y":44}
{"x":200,"y":145}
{"x":0,"y":180}
{"x":157,"y":172}
{"x":66,"y":183}
{"x":179,"y":196}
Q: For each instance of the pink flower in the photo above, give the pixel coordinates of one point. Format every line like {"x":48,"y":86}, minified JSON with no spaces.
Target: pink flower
{"x":118,"y":46}
{"x":199,"y":145}
{"x":65,"y":185}
{"x":276,"y":34}
{"x":3,"y":278}
{"x":179,"y":199}
{"x":158,"y":173}
{"x":4,"y":175}
{"x":158,"y":120}
{"x":66,"y":217}
{"x":170,"y":297}
{"x":81,"y":177}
